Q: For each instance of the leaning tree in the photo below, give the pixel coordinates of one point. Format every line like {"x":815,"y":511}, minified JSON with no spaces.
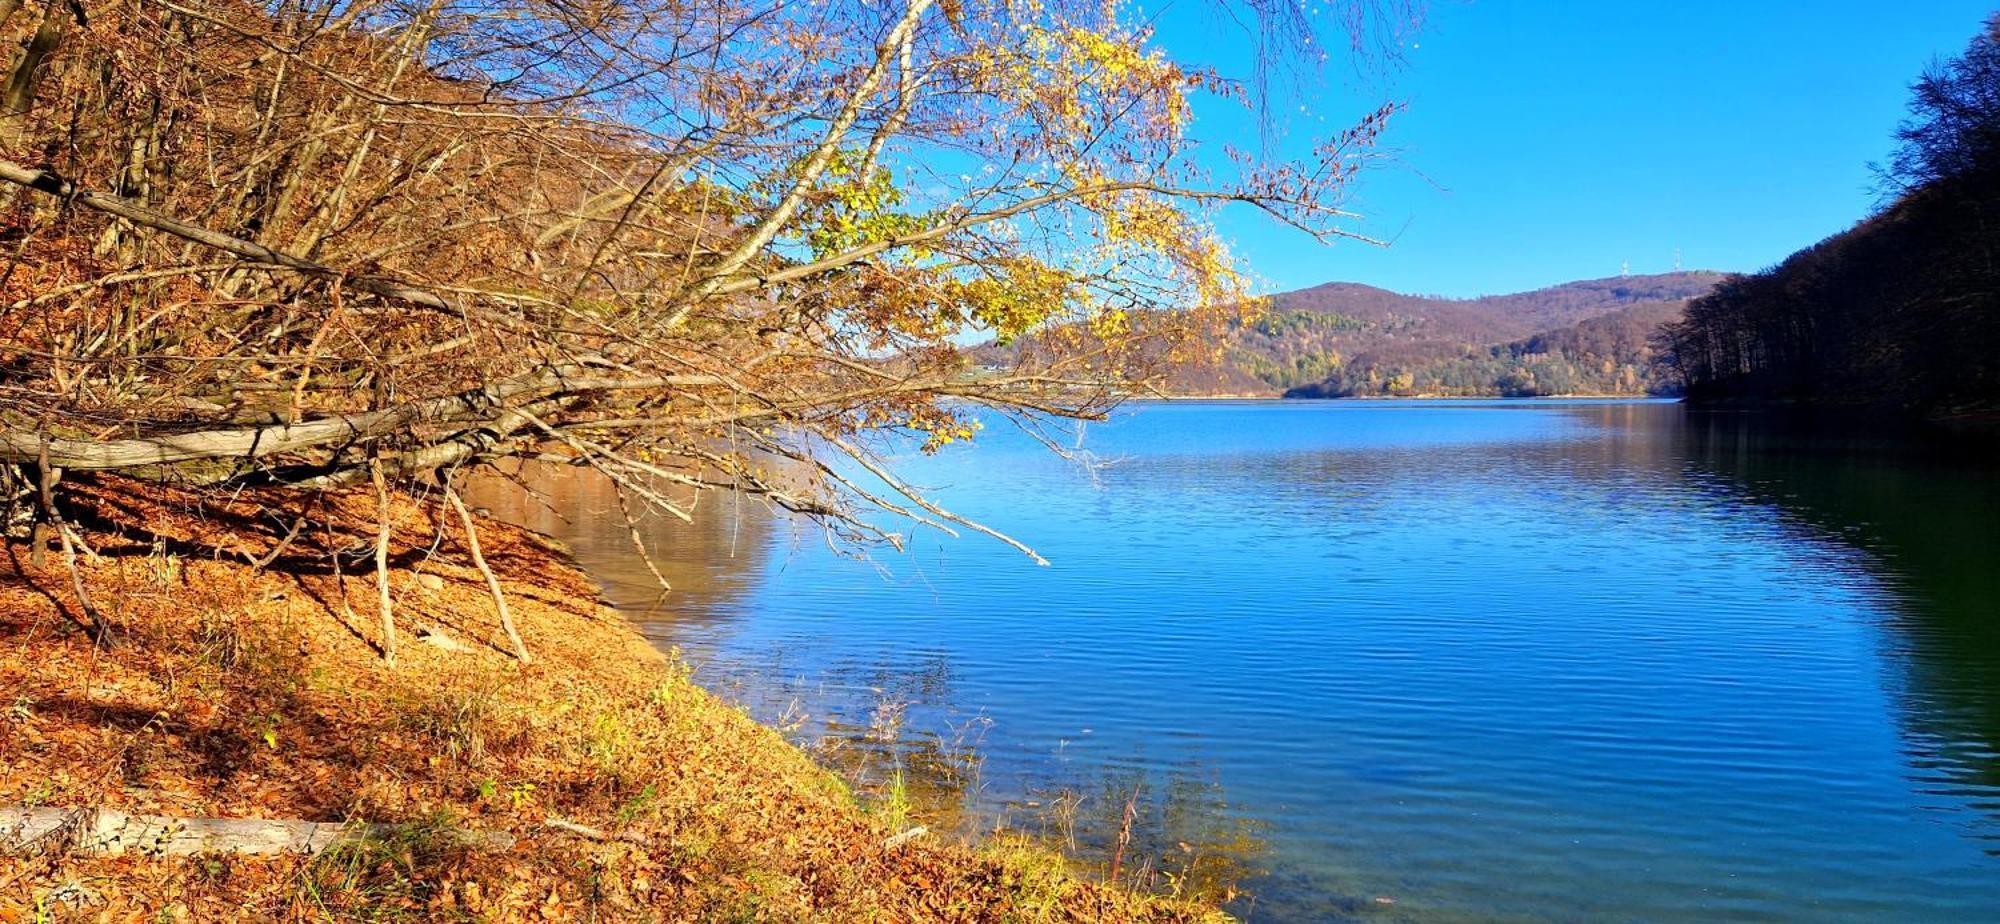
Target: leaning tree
{"x":690,"y":244}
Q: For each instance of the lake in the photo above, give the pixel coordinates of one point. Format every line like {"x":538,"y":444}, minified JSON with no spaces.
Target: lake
{"x":1427,"y":661}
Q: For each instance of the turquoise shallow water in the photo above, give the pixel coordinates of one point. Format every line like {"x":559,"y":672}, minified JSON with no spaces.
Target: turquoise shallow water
{"x":1413,"y":660}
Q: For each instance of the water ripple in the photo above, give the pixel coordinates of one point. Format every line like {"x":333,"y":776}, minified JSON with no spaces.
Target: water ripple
{"x":1495,"y":661}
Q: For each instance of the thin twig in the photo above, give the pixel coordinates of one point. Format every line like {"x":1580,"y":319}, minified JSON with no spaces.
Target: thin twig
{"x":382,"y":530}
{"x":492,"y":580}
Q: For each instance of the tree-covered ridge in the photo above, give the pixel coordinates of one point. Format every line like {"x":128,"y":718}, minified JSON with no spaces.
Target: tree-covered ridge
{"x":1343,"y":339}
{"x":1901,"y":310}
{"x":1612,"y":354}
{"x":1290,"y":346}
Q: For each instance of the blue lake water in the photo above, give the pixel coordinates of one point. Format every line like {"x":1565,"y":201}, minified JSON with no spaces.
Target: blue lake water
{"x":1420,"y":661}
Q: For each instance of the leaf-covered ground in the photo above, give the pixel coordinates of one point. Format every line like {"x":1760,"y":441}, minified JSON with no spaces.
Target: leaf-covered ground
{"x":230,"y":691}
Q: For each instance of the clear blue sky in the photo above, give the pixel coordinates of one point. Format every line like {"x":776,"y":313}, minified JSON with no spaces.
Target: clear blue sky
{"x":1550,"y":140}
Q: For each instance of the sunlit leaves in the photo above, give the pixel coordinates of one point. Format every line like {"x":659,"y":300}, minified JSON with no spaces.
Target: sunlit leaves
{"x":856,"y":204}
{"x":1014,"y":295}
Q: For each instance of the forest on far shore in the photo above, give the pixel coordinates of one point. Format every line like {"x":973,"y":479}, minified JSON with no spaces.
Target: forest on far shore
{"x":1607,"y":354}
{"x":1901,"y":311}
{"x":1344,"y":339}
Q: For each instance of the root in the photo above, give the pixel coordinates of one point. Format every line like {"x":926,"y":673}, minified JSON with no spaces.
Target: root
{"x":49,"y":518}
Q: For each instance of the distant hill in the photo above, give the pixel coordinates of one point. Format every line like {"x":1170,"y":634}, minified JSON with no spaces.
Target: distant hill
{"x":1343,"y":339}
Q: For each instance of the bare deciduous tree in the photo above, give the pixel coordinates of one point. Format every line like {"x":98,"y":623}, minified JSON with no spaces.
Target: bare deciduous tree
{"x":692,"y":244}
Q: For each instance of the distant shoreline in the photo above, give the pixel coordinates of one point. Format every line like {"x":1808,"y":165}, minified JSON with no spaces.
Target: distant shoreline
{"x":1279,"y":397}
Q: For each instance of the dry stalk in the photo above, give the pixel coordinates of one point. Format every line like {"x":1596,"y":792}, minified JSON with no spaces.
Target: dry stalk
{"x":492,"y":580}
{"x":384,"y":601}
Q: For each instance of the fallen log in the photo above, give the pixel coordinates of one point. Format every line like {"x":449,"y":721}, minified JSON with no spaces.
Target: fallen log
{"x":103,"y":832}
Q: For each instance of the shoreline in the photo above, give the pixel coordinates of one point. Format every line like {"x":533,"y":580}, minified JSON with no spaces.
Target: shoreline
{"x":235,"y":693}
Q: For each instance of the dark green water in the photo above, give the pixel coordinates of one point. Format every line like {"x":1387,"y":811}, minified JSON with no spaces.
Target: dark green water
{"x":1413,"y":661}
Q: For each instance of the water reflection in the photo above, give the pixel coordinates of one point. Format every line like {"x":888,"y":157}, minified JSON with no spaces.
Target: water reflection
{"x":1922,"y":506}
{"x":711,"y":564}
{"x":1463,"y":661}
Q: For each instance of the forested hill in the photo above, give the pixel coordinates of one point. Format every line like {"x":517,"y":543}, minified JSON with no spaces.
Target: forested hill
{"x":1901,"y":311}
{"x":1343,"y":339}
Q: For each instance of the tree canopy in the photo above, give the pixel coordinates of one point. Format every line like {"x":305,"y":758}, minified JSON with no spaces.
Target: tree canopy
{"x":1953,"y":129}
{"x":1897,"y":312}
{"x":692,"y":244}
